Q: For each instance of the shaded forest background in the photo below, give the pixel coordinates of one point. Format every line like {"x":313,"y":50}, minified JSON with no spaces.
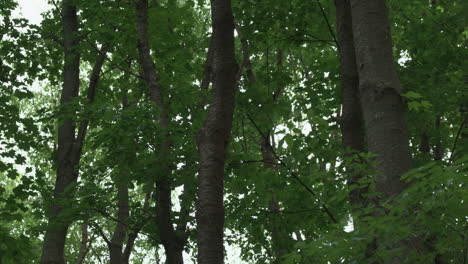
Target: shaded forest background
{"x":141,"y":131}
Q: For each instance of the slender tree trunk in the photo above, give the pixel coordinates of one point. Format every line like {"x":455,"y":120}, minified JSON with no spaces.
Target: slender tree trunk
{"x":84,"y":243}
{"x":172,"y":241}
{"x":54,"y":240}
{"x":351,"y":123}
{"x":381,"y":103}
{"x":351,"y":119}
{"x":214,"y":135}
{"x":69,"y":146}
{"x":438,"y":148}
{"x":120,"y":231}
{"x":280,"y":240}
{"x":424,"y":145}
{"x":133,"y":233}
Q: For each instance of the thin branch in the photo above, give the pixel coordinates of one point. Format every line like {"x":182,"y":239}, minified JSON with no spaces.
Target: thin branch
{"x":93,"y":82}
{"x":184,"y":214}
{"x":452,"y":154}
{"x":109,"y":217}
{"x":128,"y":71}
{"x":290,"y":212}
{"x":251,"y":161}
{"x":207,"y":75}
{"x":246,"y":63}
{"x":295,"y":176}
{"x":328,"y":23}
{"x":103,"y":235}
{"x":134,"y":233}
{"x":97,"y":255}
{"x":83,"y":245}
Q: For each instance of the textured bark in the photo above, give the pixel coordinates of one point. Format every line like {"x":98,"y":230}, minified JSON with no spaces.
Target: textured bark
{"x":54,"y":240}
{"x":172,"y":241}
{"x":213,"y":137}
{"x":380,"y":89}
{"x":351,"y":119}
{"x":381,"y":103}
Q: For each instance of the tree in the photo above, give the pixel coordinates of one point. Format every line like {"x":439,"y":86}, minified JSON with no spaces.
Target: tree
{"x":214,"y":135}
{"x":153,"y":100}
{"x":382,"y":105}
{"x":67,"y":153}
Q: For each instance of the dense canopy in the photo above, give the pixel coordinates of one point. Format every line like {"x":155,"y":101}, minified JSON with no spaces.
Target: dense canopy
{"x":234,"y":131}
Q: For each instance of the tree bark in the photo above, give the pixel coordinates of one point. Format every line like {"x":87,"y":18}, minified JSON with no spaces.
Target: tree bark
{"x":69,"y":144}
{"x":120,"y":231}
{"x":57,"y":228}
{"x":381,"y":103}
{"x":133,"y":233}
{"x":172,"y":241}
{"x":352,"y":127}
{"x":424,"y":145}
{"x":213,"y":137}
{"x":84,"y":244}
{"x":380,"y":90}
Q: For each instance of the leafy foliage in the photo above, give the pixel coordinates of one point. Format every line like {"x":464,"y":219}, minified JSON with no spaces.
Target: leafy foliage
{"x":294,"y":102}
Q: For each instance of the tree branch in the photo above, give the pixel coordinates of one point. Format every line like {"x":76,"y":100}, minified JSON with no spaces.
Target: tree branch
{"x":328,"y":23}
{"x":324,"y":207}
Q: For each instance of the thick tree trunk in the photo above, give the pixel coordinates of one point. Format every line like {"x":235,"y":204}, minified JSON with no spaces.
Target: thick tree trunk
{"x":54,"y":240}
{"x":214,"y":135}
{"x":380,"y":90}
{"x":381,"y":102}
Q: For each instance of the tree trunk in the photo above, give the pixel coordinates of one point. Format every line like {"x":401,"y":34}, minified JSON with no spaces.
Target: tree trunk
{"x":120,"y":231}
{"x":133,"y":233}
{"x":438,"y":148}
{"x":214,"y":135}
{"x":278,"y":238}
{"x":57,"y":228}
{"x":173,"y":243}
{"x":380,"y":90}
{"x":69,"y":147}
{"x":381,"y":102}
{"x":424,"y":145}
{"x":351,"y":119}
{"x":84,"y":244}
